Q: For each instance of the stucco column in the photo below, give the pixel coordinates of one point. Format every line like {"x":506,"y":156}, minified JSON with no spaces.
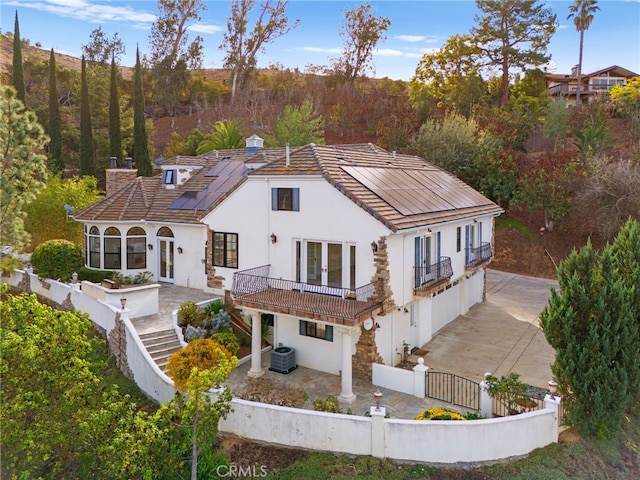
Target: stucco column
{"x":346,"y":394}
{"x":256,"y":369}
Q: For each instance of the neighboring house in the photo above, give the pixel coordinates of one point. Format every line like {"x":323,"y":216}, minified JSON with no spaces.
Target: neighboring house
{"x":593,"y":84}
{"x":351,"y":252}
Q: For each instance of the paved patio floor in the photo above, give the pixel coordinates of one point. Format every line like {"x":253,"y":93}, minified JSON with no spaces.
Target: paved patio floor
{"x":499,"y":336}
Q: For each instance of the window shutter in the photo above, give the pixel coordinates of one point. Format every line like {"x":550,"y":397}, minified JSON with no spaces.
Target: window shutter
{"x":303,"y":328}
{"x":328,"y":333}
{"x":274,"y":199}
{"x":296,"y":199}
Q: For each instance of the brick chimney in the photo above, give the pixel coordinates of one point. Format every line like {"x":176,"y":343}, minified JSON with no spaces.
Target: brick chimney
{"x":118,"y":177}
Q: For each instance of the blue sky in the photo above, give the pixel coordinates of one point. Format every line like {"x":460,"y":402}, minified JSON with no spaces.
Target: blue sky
{"x":417,"y":27}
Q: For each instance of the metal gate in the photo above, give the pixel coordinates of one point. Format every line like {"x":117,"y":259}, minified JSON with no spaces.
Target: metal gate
{"x":453,"y":389}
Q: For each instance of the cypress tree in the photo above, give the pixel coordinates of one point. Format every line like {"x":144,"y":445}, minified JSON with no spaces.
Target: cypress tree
{"x":56,"y":163}
{"x":115,"y":134}
{"x":593,"y":327}
{"x":140,"y":140}
{"x":86,"y":135}
{"x":18,"y":68}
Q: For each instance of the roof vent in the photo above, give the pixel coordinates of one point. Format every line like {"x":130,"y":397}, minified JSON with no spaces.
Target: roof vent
{"x":286,"y":155}
{"x":253,"y":144}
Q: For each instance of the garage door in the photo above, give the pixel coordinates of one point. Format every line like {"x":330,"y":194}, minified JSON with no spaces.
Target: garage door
{"x":446,"y":307}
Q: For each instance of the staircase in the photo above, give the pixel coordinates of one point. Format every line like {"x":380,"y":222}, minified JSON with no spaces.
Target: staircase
{"x":161,"y":345}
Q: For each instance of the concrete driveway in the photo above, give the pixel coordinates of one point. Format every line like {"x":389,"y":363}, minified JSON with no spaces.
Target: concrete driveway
{"x":500,"y":336}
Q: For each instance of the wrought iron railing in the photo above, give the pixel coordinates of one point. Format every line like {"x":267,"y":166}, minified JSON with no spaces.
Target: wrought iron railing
{"x":479,"y":254}
{"x":256,"y":287}
{"x":563,"y":89}
{"x":435,"y":273}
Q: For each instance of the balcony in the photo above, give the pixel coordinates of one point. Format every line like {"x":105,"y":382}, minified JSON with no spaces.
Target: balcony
{"x":254,"y":288}
{"x":572,"y":89}
{"x":432,"y":278}
{"x":478,"y":257}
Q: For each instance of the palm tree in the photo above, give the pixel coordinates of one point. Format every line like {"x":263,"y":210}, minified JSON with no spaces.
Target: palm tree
{"x":582,"y":13}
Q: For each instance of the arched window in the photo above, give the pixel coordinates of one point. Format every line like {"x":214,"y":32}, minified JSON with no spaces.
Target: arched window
{"x":136,"y":248}
{"x":112,"y":249}
{"x":165,"y":232}
{"x":93,"y":248}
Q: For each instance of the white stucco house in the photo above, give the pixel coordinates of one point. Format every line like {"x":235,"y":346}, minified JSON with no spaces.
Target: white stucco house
{"x":350,"y":251}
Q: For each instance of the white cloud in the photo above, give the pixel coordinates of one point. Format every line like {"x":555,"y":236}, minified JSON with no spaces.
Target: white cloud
{"x":202,"y":28}
{"x":563,"y":27}
{"x":87,"y":11}
{"x":320,"y":50}
{"x":388,"y":52}
{"x":411,"y":38}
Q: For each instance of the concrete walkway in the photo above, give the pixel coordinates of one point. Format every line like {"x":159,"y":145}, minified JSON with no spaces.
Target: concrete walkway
{"x":499,"y":336}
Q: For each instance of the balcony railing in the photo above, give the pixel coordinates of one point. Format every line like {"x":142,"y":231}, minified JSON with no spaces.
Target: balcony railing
{"x":432,"y":274}
{"x":565,"y":89}
{"x":254,"y":288}
{"x":477,"y":255}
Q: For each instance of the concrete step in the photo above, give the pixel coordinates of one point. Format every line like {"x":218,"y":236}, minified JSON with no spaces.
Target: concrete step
{"x":164,"y":354}
{"x":169,"y":344}
{"x":157,"y":335}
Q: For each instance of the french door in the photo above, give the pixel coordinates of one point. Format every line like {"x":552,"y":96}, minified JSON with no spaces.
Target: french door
{"x":166,"y":254}
{"x":325,"y":263}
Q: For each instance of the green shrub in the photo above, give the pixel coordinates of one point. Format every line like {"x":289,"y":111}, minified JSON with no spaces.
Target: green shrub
{"x":213,"y":308}
{"x":329,"y":404}
{"x":57,"y":259}
{"x":190,"y":314}
{"x":228,"y":340}
{"x":137,"y":279}
{"x":220,"y":322}
{"x":9,"y":264}
{"x":94,"y":276}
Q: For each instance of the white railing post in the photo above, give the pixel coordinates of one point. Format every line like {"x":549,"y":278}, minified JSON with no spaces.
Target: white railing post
{"x":486,"y":402}
{"x":552,"y":402}
{"x":377,"y":431}
{"x":420,"y":379}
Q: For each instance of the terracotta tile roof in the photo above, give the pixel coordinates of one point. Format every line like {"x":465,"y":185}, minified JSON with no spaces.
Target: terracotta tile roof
{"x":346,"y":167}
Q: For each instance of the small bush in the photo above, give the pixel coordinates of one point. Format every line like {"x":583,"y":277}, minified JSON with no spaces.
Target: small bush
{"x":439,"y":414}
{"x":57,"y":259}
{"x":94,"y":276}
{"x":137,"y":279}
{"x":9,"y":264}
{"x":193,"y":333}
{"x":329,"y":404}
{"x":213,"y":308}
{"x":220,"y":322}
{"x":228,"y":340}
{"x":190,"y":314}
{"x":473,"y":416}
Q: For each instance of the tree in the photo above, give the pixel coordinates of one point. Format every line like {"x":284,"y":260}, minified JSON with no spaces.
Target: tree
{"x":241,"y":46}
{"x":226,"y":136}
{"x":361,"y":32}
{"x":87,"y":166}
{"x":23,"y":166}
{"x":592,"y":324}
{"x":449,"y":78}
{"x":18,"y":68}
{"x":513,"y":34}
{"x":556,"y":122}
{"x":141,"y":153}
{"x":115,"y":132}
{"x":171,"y":53}
{"x":626,"y":99}
{"x":297,"y":126}
{"x":100,"y":48}
{"x":56,"y":162}
{"x":200,"y":366}
{"x":582,"y":13}
{"x":46,"y":215}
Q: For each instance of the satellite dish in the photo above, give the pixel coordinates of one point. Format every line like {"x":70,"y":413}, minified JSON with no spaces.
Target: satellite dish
{"x":68,"y":208}
{"x":549,"y":67}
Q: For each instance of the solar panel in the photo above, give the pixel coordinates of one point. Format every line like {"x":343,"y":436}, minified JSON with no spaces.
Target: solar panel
{"x":416,"y":191}
{"x":208,"y":196}
{"x":227,"y":168}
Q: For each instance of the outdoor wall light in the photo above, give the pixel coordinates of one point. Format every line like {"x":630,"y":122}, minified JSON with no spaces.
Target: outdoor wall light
{"x":374,"y":247}
{"x":553,"y":387}
{"x":123,"y":302}
{"x":149,"y":247}
{"x":274,"y":239}
{"x":180,"y":250}
{"x":429,"y":232}
{"x":378,"y":396}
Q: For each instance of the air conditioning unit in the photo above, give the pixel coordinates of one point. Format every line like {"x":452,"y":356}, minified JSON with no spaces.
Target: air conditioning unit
{"x":283,"y":360}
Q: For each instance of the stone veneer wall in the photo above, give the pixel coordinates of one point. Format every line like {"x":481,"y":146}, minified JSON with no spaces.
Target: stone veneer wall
{"x":366,"y":348}
{"x":366,"y":354}
{"x":213,"y":280}
{"x":381,"y":277}
{"x":118,"y":347}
